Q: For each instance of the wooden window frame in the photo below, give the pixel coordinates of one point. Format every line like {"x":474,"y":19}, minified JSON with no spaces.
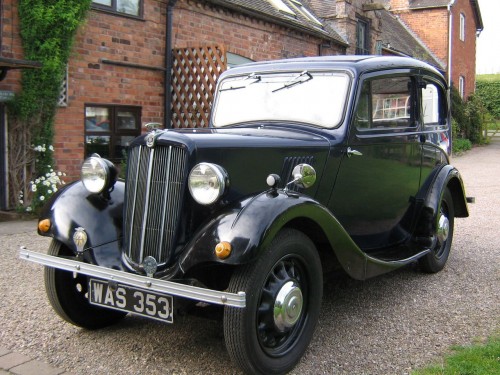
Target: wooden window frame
{"x":113,"y":133}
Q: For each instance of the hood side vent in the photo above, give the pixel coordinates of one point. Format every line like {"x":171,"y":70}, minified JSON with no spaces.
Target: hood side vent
{"x":286,"y":172}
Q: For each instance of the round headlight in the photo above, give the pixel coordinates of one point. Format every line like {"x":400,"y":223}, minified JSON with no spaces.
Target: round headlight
{"x":98,"y":174}
{"x":207,"y":183}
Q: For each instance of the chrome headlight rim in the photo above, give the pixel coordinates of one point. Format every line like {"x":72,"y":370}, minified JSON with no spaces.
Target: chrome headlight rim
{"x":98,"y":174}
{"x":199,"y":194}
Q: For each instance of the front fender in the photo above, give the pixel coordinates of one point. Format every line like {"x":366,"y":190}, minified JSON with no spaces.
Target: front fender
{"x":252,"y":224}
{"x":74,"y":207}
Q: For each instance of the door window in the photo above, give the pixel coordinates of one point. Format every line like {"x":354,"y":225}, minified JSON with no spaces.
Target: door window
{"x":386,"y":103}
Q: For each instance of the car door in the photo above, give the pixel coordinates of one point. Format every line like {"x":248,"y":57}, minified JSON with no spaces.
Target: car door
{"x":380,"y":170}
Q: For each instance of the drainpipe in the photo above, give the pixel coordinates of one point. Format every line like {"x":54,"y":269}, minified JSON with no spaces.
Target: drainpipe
{"x":169,"y":62}
{"x":450,"y":35}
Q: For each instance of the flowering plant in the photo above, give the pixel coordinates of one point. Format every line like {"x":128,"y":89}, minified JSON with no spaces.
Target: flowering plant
{"x":41,"y":188}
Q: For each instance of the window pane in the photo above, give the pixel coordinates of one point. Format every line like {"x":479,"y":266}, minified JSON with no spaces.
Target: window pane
{"x":125,"y":120}
{"x":128,"y":6}
{"x":391,"y":102}
{"x":96,"y":119}
{"x":103,"y":2}
{"x":121,"y":145}
{"x":97,"y":144}
{"x":430,"y":104}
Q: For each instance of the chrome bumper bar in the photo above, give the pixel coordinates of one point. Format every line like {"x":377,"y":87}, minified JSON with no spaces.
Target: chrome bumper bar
{"x":138,"y":281}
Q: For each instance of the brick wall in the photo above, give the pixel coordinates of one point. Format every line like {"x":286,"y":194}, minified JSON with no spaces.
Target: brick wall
{"x":11,"y":45}
{"x":431,"y":25}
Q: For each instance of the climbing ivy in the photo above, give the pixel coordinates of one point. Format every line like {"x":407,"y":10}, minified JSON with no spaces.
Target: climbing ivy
{"x":47,"y":29}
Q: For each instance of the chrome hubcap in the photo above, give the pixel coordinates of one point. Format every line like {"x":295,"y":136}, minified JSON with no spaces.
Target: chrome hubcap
{"x":443,"y":228}
{"x":288,"y":306}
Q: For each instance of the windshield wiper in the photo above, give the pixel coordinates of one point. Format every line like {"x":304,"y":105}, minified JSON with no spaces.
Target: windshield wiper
{"x":253,"y":76}
{"x":296,"y":81}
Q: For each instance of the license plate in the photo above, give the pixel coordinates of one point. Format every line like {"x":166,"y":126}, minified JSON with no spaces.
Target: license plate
{"x":137,"y":301}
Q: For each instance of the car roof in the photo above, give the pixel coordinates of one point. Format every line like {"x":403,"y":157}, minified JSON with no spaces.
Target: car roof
{"x":356,"y":63}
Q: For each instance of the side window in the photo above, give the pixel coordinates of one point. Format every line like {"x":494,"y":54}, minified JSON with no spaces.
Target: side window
{"x":110,"y":129}
{"x":386,"y":103}
{"x":433,"y":105}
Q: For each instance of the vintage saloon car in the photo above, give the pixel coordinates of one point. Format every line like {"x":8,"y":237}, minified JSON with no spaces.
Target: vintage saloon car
{"x":309,"y":165}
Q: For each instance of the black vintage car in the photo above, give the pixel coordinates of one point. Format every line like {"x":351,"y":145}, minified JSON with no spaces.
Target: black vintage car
{"x":309,"y":166}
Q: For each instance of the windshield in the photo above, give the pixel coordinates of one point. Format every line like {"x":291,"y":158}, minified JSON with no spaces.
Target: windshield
{"x":316,"y":98}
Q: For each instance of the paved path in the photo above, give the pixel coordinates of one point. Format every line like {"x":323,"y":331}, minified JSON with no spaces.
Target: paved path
{"x":19,"y":364}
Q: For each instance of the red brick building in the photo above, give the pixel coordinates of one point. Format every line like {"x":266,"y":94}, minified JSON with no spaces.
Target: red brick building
{"x":449,"y":28}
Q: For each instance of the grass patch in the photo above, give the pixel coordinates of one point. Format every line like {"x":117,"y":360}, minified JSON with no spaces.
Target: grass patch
{"x":488,"y":77}
{"x":469,"y":360}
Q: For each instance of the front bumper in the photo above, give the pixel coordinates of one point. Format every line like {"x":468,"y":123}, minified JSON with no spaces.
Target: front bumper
{"x":138,"y":281}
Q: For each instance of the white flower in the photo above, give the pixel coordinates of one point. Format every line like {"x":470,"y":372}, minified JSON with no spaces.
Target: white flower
{"x":37,"y":181}
{"x":42,"y":198}
{"x":59,"y":173}
{"x":28,"y":209}
{"x":21,"y":201}
{"x":33,"y":188}
{"x":49,"y":191}
{"x":51,"y":148}
{"x":55,"y":189}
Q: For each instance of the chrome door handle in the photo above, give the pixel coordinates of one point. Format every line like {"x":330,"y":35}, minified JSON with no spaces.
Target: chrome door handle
{"x":350,"y":152}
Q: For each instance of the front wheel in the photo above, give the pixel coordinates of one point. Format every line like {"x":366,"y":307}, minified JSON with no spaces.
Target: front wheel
{"x":68,"y":294}
{"x":284,"y":288}
{"x":435,"y":260}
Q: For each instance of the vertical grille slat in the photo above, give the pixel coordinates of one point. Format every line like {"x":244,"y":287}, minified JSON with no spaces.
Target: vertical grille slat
{"x":153,"y":199}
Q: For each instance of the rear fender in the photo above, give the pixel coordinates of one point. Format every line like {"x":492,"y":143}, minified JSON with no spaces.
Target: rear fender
{"x":73,"y":207}
{"x":448,"y":177}
{"x":251,"y":225}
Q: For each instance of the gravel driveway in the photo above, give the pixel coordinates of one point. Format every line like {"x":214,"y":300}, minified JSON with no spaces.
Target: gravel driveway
{"x":387,"y":325}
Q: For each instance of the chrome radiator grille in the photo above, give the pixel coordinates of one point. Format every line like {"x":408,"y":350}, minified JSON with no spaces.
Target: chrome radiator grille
{"x":153,"y":200}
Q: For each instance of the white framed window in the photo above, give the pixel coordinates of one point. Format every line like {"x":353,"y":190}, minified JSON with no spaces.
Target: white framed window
{"x":461,"y":86}
{"x":462,"y":27}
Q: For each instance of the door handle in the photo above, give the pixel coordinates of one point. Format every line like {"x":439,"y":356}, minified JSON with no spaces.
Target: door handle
{"x":350,"y":152}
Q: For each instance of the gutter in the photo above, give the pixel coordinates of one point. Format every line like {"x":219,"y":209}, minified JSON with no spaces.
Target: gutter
{"x":169,"y":64}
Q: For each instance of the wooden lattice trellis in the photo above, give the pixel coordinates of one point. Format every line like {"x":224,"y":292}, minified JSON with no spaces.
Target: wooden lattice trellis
{"x":194,"y":76}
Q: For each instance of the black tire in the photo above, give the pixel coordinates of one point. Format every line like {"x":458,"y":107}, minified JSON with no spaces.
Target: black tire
{"x":435,"y":260}
{"x":67,"y":293}
{"x":258,"y":341}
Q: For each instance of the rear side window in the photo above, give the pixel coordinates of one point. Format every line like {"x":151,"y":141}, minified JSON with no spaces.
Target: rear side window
{"x":434,"y":110}
{"x":386,"y":103}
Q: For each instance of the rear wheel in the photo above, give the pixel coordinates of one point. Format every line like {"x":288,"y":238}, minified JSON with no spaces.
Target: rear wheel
{"x":436,"y":259}
{"x":68,"y":294}
{"x":284,"y":289}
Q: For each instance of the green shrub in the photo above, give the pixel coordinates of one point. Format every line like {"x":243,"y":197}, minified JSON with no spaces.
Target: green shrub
{"x":489,"y":92}
{"x":460,"y":145}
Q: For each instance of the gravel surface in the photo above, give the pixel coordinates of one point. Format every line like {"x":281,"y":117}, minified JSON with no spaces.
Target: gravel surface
{"x":387,"y":325}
